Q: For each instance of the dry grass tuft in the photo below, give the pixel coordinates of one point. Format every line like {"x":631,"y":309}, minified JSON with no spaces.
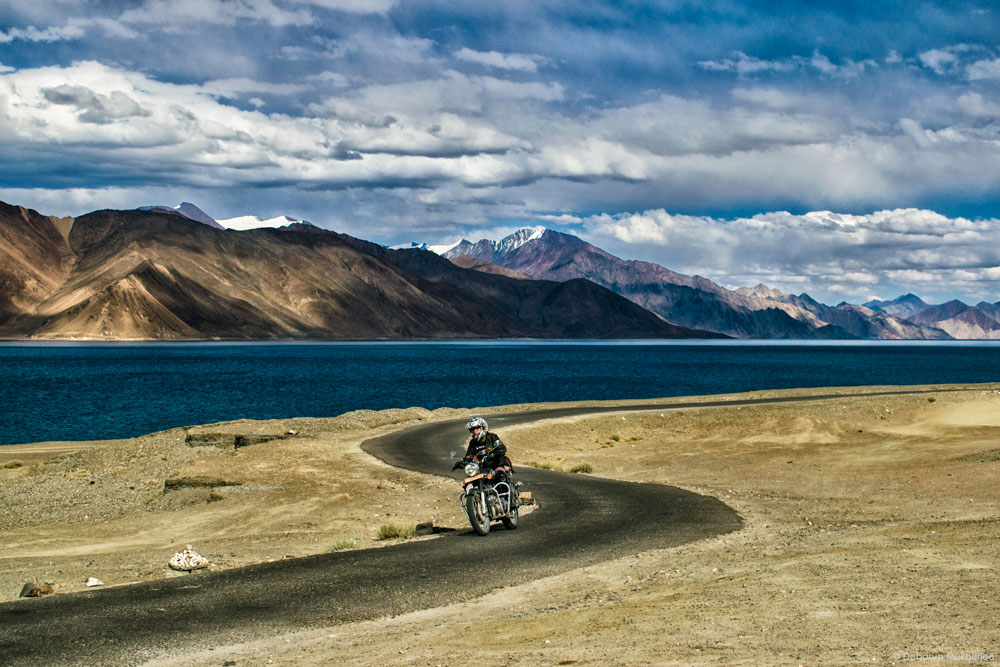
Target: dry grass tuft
{"x":392,"y":531}
{"x":341,"y":545}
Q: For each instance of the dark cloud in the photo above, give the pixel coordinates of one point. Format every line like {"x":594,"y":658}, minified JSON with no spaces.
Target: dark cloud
{"x":96,"y":108}
{"x":344,"y":152}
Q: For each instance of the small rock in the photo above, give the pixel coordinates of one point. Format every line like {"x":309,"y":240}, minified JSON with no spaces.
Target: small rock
{"x":188,"y":560}
{"x":33,"y":589}
{"x":94,"y":581}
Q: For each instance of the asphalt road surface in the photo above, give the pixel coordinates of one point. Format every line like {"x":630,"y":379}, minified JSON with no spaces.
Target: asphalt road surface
{"x":580,"y":520}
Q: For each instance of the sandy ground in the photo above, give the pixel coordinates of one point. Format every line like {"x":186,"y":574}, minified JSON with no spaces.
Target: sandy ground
{"x":872,"y":531}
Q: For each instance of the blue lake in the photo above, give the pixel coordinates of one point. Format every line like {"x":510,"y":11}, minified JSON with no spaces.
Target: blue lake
{"x":63,"y":391}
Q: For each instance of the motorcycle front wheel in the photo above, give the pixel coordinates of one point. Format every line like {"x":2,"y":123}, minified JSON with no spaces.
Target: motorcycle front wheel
{"x":510,"y":521}
{"x":477,"y":517}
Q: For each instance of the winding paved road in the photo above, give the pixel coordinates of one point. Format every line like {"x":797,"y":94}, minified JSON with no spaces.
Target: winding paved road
{"x":580,"y":521}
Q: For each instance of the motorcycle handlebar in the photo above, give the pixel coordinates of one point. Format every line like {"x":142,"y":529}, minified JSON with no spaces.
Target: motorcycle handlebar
{"x":477,"y":458}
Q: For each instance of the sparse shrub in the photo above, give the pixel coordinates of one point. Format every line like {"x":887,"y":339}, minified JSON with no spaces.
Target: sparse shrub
{"x":931,"y":399}
{"x":582,"y":467}
{"x":12,"y":464}
{"x":392,"y":531}
{"x":543,"y":466}
{"x":340,"y":545}
{"x":616,"y":437}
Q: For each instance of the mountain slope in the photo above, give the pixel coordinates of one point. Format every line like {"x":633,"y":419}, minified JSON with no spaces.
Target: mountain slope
{"x":903,"y":306}
{"x":467,"y":262}
{"x":159,"y":275}
{"x":960,"y":320}
{"x":862,"y":322}
{"x":34,"y":257}
{"x":571,"y":309}
{"x":691,"y":301}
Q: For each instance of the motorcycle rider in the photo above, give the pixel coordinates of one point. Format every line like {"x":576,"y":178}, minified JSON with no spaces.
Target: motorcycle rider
{"x":485,"y":442}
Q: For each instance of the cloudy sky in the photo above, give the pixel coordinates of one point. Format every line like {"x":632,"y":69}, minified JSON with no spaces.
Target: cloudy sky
{"x":850,"y":150}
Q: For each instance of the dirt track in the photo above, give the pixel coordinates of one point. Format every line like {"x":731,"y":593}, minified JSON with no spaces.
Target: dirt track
{"x":871,"y":529}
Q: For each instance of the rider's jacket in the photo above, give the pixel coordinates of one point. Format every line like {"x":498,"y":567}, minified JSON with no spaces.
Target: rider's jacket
{"x":491,"y":442}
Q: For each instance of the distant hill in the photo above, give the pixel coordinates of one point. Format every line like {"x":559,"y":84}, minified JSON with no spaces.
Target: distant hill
{"x":903,"y":306}
{"x":690,"y":301}
{"x":162,"y":275}
{"x":961,"y":320}
{"x":467,"y":262}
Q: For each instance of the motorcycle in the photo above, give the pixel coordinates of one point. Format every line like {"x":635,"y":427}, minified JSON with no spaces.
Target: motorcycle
{"x":487,"y":497}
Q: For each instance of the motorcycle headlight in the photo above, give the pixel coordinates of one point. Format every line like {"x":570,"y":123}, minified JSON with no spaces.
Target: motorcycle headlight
{"x":471,"y":469}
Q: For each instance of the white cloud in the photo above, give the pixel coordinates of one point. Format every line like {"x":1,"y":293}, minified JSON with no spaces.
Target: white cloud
{"x":242,"y":85}
{"x":743,"y":64}
{"x":378,"y":48}
{"x":822,"y":63}
{"x":923,"y":138}
{"x":75,"y":28}
{"x":848,"y":70}
{"x":771,"y":97}
{"x":984,"y":69}
{"x":947,"y":60}
{"x":193,"y":138}
{"x":862,"y":277}
{"x":511,"y":61}
{"x":177,"y":14}
{"x":354,"y":6}
{"x":938,"y":60}
{"x":452,"y":92}
{"x":33,"y":34}
{"x":334,"y":79}
{"x":902,"y":247}
{"x":913,"y":276}
{"x":976,"y":105}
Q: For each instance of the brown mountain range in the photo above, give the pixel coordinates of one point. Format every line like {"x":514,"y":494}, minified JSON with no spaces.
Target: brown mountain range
{"x":158,"y":275}
{"x":691,"y":301}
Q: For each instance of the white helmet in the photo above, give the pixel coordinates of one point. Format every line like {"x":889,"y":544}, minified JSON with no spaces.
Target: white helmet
{"x":480,"y":422}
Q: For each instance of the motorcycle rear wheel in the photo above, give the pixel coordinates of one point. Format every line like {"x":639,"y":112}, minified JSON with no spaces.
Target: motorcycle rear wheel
{"x":510,"y":521}
{"x":480,"y":522}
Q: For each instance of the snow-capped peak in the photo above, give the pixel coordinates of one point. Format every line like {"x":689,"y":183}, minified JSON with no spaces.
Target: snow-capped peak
{"x":519,"y":238}
{"x":484,"y":249}
{"x":189,"y":211}
{"x":412,"y":245}
{"x":442,"y":249}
